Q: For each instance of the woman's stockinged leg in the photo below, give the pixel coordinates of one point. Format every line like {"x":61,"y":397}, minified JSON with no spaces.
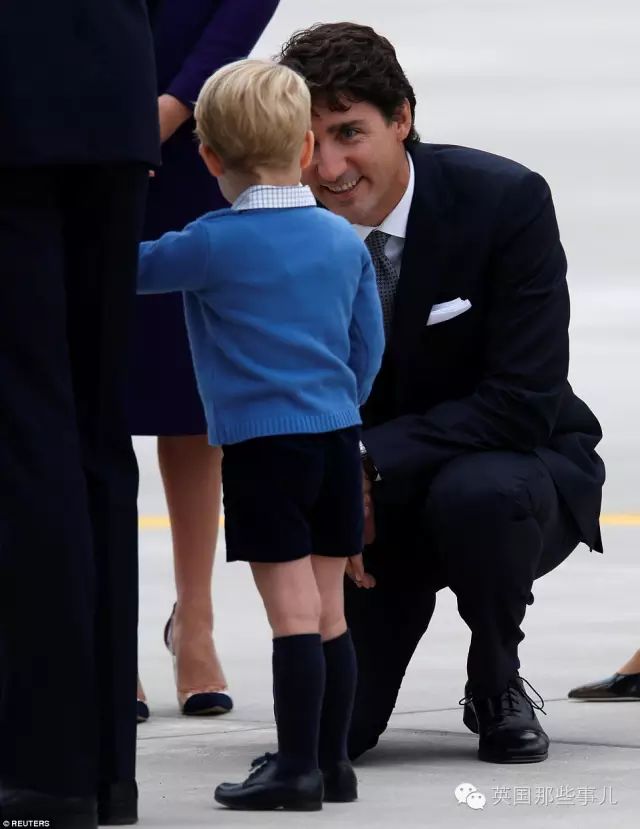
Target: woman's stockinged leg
{"x":190,"y":470}
{"x":340,"y":663}
{"x":292,"y":602}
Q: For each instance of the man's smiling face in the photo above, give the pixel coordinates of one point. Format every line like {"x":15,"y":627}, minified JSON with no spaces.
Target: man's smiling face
{"x":359,"y":168}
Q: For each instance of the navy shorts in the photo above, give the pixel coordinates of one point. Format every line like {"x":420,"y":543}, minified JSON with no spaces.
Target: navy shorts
{"x":290,"y":496}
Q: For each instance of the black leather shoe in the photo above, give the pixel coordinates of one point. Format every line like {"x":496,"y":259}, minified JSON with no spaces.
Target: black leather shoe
{"x":340,"y":783}
{"x":616,"y":688}
{"x":507,"y":725}
{"x":62,"y":812}
{"x":266,"y":788}
{"x":118,"y":804}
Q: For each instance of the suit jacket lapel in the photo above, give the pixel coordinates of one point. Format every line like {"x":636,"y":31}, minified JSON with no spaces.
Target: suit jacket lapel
{"x":425,"y":256}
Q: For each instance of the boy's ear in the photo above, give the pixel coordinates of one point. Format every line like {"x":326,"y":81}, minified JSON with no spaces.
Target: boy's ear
{"x":212,"y":160}
{"x":306,"y":153}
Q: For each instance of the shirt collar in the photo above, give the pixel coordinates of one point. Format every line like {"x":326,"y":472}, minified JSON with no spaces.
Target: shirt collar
{"x":396,"y":222}
{"x":261,"y":196}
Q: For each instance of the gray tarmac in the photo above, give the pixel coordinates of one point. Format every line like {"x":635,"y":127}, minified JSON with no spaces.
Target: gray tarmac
{"x":555,"y":85}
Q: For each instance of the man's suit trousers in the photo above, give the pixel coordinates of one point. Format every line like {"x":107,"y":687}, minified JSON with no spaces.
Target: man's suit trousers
{"x":491,"y":524}
{"x":68,"y":476}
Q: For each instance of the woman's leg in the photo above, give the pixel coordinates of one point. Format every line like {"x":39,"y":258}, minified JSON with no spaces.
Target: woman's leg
{"x":632,"y":666}
{"x":292,"y":602}
{"x":340,"y":666}
{"x":190,"y":470}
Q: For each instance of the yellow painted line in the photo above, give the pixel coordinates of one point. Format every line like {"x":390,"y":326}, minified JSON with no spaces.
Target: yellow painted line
{"x":154,"y":522}
{"x":622,"y":519}
{"x":160,"y":522}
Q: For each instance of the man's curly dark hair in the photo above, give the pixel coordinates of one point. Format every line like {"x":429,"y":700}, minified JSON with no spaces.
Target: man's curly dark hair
{"x":347,"y":62}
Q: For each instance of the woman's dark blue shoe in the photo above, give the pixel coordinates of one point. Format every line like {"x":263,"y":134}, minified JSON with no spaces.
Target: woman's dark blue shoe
{"x":206,"y":703}
{"x":143,"y":711}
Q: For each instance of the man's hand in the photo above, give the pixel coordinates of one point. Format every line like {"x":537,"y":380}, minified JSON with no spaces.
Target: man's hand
{"x":172,"y":114}
{"x":369,"y":515}
{"x":355,"y":571}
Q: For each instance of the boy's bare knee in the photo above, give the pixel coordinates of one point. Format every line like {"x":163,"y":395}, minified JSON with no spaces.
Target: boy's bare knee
{"x":332,"y":624}
{"x":290,"y":621}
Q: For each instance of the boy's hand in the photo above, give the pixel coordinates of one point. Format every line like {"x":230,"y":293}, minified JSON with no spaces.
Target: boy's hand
{"x":355,"y":571}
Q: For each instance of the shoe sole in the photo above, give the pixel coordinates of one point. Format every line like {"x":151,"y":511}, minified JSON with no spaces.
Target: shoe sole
{"x":302,"y":807}
{"x":508,"y":761}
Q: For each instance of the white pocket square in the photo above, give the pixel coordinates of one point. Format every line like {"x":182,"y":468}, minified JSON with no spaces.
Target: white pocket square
{"x":448,"y":310}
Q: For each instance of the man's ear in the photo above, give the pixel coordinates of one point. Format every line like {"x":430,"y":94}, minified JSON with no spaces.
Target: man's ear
{"x":402,"y":120}
{"x":306,"y":154}
{"x":212,"y":160}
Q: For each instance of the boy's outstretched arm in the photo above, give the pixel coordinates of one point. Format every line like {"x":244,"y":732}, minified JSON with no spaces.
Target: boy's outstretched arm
{"x":177,"y":261}
{"x":366,"y":331}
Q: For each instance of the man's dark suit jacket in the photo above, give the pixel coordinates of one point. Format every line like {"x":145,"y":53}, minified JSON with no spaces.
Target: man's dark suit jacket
{"x":79,"y":86}
{"x":482,"y":228}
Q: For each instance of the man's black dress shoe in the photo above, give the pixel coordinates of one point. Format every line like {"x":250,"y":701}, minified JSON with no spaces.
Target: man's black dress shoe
{"x":507,"y":725}
{"x":118,"y":803}
{"x":62,"y":812}
{"x":340,"y":781}
{"x":266,"y":788}
{"x":616,"y":688}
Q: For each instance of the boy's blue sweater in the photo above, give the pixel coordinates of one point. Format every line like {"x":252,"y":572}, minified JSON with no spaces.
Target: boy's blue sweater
{"x":283,"y":316}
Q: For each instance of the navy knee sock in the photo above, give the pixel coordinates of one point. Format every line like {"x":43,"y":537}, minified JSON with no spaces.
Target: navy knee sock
{"x":298,"y":688}
{"x":339,"y":694}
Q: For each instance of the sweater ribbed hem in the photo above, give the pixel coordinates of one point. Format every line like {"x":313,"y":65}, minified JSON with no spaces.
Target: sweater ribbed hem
{"x":246,"y":429}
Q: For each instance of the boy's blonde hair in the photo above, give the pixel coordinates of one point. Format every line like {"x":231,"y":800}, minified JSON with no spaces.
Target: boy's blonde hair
{"x":254,"y":113}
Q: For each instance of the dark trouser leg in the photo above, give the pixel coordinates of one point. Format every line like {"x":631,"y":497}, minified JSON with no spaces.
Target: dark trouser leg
{"x":105,"y":211}
{"x":66,"y":477}
{"x":497,"y":525}
{"x":386,"y":624}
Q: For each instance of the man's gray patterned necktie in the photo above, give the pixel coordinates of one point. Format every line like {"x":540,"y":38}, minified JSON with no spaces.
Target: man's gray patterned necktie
{"x":386,"y":275}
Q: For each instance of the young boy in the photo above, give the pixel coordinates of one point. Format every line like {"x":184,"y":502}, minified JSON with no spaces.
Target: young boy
{"x":286,"y":333}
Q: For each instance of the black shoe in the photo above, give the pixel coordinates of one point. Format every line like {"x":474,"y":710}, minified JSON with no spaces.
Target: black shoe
{"x":340,"y":781}
{"x":266,"y":789}
{"x":616,"y":688}
{"x":507,"y":724}
{"x":118,"y":804}
{"x":142,"y":711}
{"x":63,"y":812}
